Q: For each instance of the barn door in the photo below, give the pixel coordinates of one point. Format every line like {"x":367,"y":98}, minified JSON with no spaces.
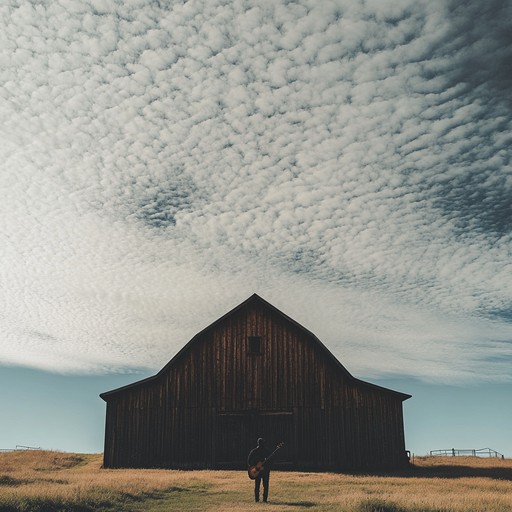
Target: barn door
{"x":236,"y":434}
{"x":277,"y":427}
{"x":232,"y":432}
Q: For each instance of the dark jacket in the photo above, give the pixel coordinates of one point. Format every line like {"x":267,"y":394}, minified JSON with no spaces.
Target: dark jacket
{"x":258,"y":454}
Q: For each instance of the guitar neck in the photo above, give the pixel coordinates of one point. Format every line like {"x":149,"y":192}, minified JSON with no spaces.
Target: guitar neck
{"x":272,"y":454}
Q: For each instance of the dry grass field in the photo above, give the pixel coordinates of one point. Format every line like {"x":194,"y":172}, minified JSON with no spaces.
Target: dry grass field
{"x":38,"y":481}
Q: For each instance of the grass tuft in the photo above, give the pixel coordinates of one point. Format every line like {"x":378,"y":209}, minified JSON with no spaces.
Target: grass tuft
{"x":373,"y":505}
{"x":376,"y":505}
{"x":9,"y":481}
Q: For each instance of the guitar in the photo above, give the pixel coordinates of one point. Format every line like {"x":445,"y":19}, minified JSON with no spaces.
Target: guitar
{"x":255,"y":470}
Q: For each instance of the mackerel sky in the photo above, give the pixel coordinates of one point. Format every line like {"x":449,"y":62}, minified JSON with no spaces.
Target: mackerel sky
{"x":348,"y":161}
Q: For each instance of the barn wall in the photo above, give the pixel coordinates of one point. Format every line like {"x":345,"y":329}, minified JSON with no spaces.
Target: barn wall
{"x":217,"y":392}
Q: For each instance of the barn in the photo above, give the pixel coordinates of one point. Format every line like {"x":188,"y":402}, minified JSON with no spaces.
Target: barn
{"x":254,"y":372}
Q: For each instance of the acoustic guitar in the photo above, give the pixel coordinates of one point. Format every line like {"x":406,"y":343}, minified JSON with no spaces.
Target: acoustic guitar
{"x":258,"y":468}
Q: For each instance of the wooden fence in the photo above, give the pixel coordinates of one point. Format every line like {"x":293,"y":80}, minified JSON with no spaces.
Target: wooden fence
{"x":454,"y":452}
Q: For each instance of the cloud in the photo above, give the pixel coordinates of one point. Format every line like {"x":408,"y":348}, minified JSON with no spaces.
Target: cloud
{"x":348,"y":161}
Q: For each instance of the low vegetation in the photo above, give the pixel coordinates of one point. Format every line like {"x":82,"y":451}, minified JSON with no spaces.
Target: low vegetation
{"x":39,"y":481}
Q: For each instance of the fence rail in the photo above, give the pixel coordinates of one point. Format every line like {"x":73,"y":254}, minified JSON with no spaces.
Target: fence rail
{"x":454,"y":452}
{"x":20,"y":447}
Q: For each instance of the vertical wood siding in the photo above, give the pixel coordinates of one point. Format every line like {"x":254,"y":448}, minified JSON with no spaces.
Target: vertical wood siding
{"x":207,"y":408}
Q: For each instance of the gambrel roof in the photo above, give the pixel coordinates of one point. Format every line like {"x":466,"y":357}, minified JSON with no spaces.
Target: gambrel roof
{"x":256,"y":299}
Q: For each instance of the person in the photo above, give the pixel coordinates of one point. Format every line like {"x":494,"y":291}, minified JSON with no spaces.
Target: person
{"x":259,"y":454}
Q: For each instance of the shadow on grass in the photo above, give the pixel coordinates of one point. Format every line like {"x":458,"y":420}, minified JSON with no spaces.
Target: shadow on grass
{"x":434,"y":471}
{"x":447,"y":471}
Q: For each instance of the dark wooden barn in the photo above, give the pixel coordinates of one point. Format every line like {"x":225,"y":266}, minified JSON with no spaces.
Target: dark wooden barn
{"x":253,"y":373}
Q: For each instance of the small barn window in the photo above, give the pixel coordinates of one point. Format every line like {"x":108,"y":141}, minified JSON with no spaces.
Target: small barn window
{"x":254,"y":345}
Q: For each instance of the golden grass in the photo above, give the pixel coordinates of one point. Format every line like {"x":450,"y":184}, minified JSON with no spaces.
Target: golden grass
{"x":38,"y":481}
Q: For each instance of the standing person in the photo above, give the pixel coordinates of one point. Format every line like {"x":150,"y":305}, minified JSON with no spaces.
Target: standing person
{"x":259,"y":454}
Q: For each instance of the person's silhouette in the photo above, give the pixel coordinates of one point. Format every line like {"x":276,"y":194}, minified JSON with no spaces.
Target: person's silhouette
{"x":259,"y":454}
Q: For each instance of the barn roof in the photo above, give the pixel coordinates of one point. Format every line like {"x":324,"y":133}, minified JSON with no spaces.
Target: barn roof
{"x":255,"y":298}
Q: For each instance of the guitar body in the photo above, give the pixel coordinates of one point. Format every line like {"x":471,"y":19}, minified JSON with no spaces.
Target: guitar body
{"x":256,"y":470}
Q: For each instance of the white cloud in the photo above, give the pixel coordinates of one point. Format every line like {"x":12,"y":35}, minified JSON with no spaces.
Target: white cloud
{"x":348,"y":161}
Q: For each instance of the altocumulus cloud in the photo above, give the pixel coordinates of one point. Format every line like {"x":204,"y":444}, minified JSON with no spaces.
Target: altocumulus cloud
{"x":348,"y":161}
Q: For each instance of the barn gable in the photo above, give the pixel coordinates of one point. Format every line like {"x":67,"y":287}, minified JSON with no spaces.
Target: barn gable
{"x":254,"y":371}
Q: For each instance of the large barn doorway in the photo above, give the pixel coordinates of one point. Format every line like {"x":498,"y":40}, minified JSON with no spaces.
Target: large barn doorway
{"x":236,"y":434}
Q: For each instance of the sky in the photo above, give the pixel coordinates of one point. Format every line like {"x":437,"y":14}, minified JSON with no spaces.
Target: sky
{"x":348,"y":161}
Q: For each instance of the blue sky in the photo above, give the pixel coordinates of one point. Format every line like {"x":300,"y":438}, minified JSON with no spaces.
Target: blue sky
{"x":348,"y":161}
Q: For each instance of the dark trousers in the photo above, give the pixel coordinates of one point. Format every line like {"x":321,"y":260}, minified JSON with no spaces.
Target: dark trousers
{"x":265,"y":476}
